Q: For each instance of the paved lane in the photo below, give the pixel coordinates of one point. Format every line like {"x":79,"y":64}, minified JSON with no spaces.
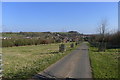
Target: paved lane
{"x":74,"y":65}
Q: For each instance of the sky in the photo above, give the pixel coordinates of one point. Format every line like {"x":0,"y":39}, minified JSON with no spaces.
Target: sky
{"x":83,"y":17}
{"x":0,"y":17}
{"x":59,"y":0}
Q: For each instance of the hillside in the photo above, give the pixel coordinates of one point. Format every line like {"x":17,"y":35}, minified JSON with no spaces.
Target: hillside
{"x":10,"y":39}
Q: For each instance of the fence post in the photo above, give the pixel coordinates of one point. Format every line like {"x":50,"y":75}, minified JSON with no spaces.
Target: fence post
{"x":62,"y":48}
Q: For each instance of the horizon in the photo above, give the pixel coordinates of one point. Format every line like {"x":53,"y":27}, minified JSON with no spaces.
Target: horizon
{"x":83,"y":17}
{"x":55,"y":32}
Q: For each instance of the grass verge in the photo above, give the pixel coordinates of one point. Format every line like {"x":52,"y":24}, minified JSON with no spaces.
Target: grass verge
{"x":104,"y":64}
{"x":25,"y":61}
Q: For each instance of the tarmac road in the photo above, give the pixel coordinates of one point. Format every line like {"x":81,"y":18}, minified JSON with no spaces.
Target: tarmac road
{"x":74,"y":65}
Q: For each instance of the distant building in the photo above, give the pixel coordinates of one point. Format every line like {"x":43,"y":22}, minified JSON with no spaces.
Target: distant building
{"x":6,"y":37}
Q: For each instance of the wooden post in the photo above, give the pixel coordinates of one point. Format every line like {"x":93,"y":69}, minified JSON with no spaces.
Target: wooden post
{"x":62,"y":48}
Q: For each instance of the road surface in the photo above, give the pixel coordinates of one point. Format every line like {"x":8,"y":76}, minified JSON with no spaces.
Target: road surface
{"x":74,"y":65}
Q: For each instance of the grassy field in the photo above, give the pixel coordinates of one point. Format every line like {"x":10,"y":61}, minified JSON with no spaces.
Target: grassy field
{"x":104,"y":64}
{"x":25,"y":61}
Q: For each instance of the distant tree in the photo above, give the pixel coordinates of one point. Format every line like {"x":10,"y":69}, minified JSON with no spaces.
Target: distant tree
{"x":75,"y":32}
{"x":102,"y":32}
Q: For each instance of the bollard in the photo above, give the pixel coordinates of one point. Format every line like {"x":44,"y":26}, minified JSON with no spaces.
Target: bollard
{"x":76,"y":43}
{"x":72,"y":45}
{"x":62,"y":48}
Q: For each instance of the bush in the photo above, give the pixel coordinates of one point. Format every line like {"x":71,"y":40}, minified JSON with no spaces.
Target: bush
{"x":111,"y":40}
{"x":24,"y":41}
{"x":7,"y":43}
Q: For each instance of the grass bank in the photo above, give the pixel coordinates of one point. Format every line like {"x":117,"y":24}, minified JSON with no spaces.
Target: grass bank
{"x":104,"y":64}
{"x":24,"y":61}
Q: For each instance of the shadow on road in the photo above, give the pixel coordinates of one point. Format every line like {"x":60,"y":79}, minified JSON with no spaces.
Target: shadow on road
{"x":52,"y":77}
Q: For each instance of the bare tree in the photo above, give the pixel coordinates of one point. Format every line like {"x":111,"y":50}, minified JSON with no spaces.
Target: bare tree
{"x":102,"y":32}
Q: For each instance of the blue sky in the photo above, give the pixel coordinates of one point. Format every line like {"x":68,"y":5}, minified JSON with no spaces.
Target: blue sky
{"x":59,"y":0}
{"x":84,"y":17}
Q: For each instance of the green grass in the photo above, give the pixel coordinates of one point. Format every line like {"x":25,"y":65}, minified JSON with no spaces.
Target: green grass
{"x":104,"y":64}
{"x":25,"y":61}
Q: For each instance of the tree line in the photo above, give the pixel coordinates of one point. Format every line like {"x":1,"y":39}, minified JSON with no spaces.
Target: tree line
{"x":23,"y":42}
{"x":106,"y":41}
